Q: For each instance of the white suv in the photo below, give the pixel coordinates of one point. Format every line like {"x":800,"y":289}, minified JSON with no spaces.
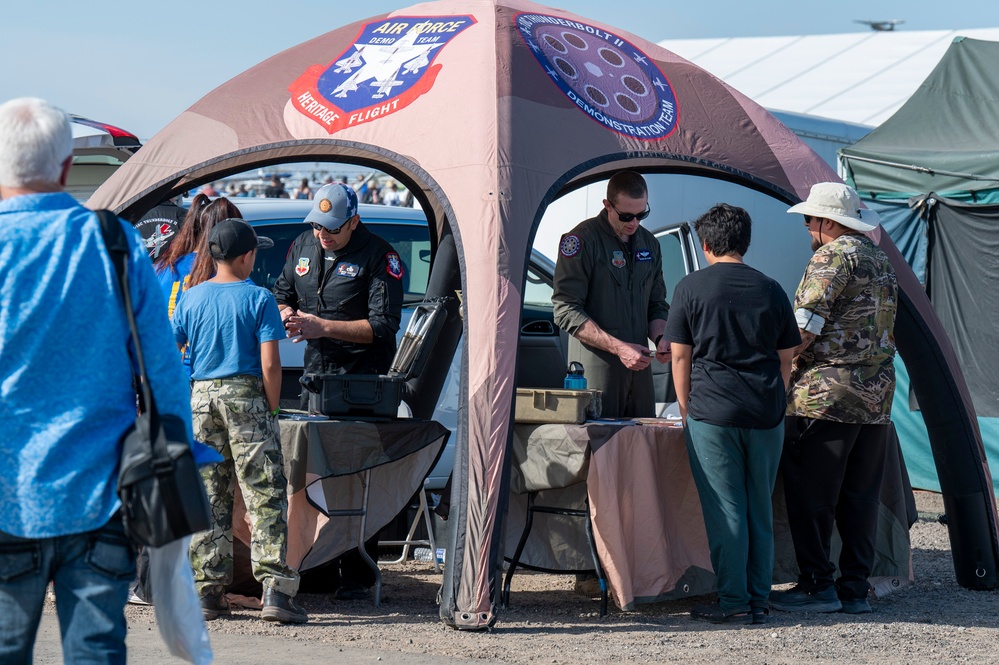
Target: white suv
{"x":98,"y":150}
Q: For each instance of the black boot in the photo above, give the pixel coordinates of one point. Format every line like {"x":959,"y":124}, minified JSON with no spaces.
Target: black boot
{"x":214,"y":605}
{"x":281,"y":607}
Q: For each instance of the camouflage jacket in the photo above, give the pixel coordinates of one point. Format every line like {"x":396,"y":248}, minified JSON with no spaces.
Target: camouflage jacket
{"x":847,"y":298}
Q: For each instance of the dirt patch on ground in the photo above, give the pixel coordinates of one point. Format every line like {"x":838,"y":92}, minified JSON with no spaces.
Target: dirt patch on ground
{"x":933,"y":620}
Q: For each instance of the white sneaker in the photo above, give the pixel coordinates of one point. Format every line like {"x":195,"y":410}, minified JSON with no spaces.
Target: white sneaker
{"x":134,"y":598}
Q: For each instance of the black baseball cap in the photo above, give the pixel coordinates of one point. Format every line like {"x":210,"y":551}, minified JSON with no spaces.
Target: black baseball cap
{"x":233,"y":237}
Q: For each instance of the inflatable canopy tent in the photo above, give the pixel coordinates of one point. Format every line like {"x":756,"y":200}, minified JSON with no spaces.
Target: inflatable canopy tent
{"x":488,"y":110}
{"x":932,"y":172}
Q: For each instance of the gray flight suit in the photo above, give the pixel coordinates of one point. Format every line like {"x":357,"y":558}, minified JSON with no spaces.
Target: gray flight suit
{"x":621,"y":287}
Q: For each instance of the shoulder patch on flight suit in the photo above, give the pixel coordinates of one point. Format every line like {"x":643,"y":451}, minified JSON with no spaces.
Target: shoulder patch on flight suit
{"x":394,"y":267}
{"x":643,"y":255}
{"x":618,"y":261}
{"x":570,"y":245}
{"x":302,"y":269}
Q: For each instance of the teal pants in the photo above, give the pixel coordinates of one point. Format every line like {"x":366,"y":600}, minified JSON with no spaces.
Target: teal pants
{"x":735,"y":469}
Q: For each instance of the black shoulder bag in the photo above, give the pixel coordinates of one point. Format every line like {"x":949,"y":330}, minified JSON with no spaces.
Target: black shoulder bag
{"x":163,"y":497}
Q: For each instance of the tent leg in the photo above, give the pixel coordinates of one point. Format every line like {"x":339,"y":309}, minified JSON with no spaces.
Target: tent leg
{"x":596,"y":561}
{"x":366,"y":481}
{"x":520,"y":550}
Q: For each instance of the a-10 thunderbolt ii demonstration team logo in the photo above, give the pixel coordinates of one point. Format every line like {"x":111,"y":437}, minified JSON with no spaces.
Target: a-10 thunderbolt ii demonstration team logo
{"x":610,"y":79}
{"x":389,"y":65}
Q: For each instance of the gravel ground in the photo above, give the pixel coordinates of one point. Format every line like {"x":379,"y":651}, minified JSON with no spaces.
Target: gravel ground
{"x":933,"y":620}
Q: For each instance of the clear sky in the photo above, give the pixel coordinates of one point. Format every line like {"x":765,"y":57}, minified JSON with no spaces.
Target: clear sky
{"x":138,"y":64}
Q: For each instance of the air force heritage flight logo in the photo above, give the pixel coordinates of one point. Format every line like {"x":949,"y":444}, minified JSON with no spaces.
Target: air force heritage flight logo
{"x":387,"y":68}
{"x":607,"y":77}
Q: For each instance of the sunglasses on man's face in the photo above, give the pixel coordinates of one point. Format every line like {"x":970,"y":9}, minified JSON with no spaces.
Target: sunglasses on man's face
{"x":319,"y":227}
{"x":628,"y":216}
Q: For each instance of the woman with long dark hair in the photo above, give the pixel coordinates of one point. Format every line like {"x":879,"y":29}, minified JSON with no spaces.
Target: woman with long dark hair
{"x":303,"y":191}
{"x":204,"y":265}
{"x":187,"y":262}
{"x":174,"y":266}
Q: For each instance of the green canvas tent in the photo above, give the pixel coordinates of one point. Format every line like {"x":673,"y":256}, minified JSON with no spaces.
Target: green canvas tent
{"x":932,"y":172}
{"x":945,"y":139}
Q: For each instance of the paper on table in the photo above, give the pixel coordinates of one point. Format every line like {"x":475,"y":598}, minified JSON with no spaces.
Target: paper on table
{"x":658,"y":422}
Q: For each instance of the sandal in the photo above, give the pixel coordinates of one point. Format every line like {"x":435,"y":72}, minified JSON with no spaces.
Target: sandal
{"x":715,"y":614}
{"x":761,"y":615}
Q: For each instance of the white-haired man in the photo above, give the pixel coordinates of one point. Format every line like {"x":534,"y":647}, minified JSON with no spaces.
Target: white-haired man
{"x":67,"y":396}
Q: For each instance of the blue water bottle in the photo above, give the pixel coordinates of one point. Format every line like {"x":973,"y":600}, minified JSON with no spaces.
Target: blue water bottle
{"x":574,"y":379}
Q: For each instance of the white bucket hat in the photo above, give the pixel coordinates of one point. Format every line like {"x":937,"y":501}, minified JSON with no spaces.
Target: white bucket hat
{"x":838,"y":202}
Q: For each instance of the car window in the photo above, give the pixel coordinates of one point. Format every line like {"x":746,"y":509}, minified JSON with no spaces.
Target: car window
{"x":411,"y":241}
{"x":674,"y":263}
{"x":270,"y":262}
{"x":538,"y":289}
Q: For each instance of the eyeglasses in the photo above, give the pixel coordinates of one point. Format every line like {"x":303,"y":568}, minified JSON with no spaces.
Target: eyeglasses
{"x":628,"y":216}
{"x":319,"y":227}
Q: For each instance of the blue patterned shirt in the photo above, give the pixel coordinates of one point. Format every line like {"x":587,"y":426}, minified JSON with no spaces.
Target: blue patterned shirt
{"x":65,"y":374}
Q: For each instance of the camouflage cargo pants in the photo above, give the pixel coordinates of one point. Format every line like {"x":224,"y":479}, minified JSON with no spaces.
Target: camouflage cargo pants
{"x":231,"y":416}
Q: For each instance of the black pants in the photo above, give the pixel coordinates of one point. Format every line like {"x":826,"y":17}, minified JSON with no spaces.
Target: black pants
{"x":353,"y":570}
{"x":348,"y":570}
{"x":832,"y":473}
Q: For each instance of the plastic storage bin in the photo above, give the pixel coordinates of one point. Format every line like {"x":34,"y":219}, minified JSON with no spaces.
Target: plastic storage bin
{"x":548,"y":405}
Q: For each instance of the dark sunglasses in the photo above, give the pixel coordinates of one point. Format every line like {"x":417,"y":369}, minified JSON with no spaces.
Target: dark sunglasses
{"x":628,"y":216}
{"x":319,"y":227}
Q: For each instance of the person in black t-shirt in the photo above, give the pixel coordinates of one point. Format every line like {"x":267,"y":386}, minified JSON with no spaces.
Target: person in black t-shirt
{"x":733,"y":333}
{"x":160,"y":226}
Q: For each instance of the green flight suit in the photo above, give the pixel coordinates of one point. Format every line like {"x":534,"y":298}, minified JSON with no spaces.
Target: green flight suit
{"x":620,"y":286}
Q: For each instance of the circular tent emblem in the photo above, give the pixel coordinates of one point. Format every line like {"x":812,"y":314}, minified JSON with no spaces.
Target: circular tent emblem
{"x":325,"y":205}
{"x":608,"y":78}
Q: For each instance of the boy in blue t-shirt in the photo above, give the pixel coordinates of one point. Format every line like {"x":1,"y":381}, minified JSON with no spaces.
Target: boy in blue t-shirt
{"x":232,"y":328}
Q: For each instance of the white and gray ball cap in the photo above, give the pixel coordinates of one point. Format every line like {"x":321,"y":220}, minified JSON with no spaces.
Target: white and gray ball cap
{"x":838,"y":202}
{"x":333,"y":206}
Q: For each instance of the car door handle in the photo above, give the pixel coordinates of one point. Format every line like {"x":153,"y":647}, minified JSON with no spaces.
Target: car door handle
{"x":538,"y":328}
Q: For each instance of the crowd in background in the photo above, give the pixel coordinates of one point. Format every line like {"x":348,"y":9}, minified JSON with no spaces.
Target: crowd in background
{"x":371,"y":188}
